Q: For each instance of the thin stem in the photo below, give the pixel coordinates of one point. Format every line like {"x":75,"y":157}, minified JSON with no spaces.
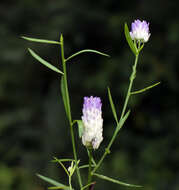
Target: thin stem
{"x":68,"y":107}
{"x":90,"y":164}
{"x":65,"y":78}
{"x":70,"y":183}
{"x":132,"y":77}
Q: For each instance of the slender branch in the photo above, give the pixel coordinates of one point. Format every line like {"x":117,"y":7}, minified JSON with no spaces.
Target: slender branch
{"x":132,"y":77}
{"x":68,"y":107}
{"x":90,"y":166}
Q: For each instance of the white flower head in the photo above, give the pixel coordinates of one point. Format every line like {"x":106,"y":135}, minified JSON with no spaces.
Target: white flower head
{"x":140,"y":30}
{"x":92,"y":122}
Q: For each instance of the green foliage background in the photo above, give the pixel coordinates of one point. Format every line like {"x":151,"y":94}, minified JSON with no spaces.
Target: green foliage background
{"x":33,"y":127}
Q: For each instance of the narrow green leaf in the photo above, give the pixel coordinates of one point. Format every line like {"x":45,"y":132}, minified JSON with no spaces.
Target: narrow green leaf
{"x":112,"y":105}
{"x":63,"y":91}
{"x":53,"y":182}
{"x":66,"y":100}
{"x":93,"y":162}
{"x":55,"y":187}
{"x":37,"y":57}
{"x":115,"y":181}
{"x":144,"y":89}
{"x":122,"y":121}
{"x":80,"y":127}
{"x":62,"y":165}
{"x":86,"y":166}
{"x":84,"y":187}
{"x":129,"y":40}
{"x":40,"y":40}
{"x":62,"y":160}
{"x":86,"y":51}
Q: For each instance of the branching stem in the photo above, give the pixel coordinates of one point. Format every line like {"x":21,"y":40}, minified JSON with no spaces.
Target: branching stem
{"x":132,"y":77}
{"x":69,"y":110}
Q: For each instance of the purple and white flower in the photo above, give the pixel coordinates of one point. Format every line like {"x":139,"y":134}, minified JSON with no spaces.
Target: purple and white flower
{"x":92,"y":122}
{"x":140,"y":31}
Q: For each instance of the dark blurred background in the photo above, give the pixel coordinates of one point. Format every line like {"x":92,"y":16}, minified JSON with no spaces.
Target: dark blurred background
{"x":33,"y":126}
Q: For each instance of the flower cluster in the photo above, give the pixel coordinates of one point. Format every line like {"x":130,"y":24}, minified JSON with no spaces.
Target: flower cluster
{"x":140,"y":30}
{"x":92,"y":122}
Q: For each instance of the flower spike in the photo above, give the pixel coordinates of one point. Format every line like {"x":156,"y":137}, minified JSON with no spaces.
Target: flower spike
{"x":140,"y":31}
{"x":92,"y":121}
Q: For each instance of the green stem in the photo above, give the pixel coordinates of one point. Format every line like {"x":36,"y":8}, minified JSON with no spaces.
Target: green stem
{"x":70,"y":183}
{"x":90,"y":163}
{"x":68,"y":107}
{"x":65,"y":78}
{"x":132,"y":77}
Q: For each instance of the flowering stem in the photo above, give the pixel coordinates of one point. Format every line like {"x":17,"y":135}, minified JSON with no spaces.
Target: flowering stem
{"x":90,"y":162}
{"x":68,"y":107}
{"x":132,"y":77}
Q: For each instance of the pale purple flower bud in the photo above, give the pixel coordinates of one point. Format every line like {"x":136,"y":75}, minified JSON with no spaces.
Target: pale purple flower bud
{"x":92,"y":122}
{"x":140,"y":30}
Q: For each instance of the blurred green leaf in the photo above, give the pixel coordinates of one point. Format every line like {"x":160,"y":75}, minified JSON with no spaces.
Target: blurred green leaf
{"x":56,"y":187}
{"x":115,"y":181}
{"x":44,"y":62}
{"x":62,"y":160}
{"x":64,"y":96}
{"x":84,"y":187}
{"x":144,"y":89}
{"x":112,"y":105}
{"x":40,"y":40}
{"x":80,"y":127}
{"x":86,"y":51}
{"x":53,"y":182}
{"x":86,"y":166}
{"x":122,"y":121}
{"x":129,"y":40}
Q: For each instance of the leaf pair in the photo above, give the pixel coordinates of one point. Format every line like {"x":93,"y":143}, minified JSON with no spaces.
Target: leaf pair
{"x":50,"y":66}
{"x":38,"y":58}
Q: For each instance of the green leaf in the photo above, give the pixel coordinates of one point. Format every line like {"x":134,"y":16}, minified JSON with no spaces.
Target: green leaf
{"x":84,"y":187}
{"x":112,"y":106}
{"x":63,"y":91}
{"x":65,"y":96}
{"x":86,"y":51}
{"x":53,"y":182}
{"x":80,"y":127}
{"x":129,"y":40}
{"x":55,"y":187}
{"x":40,"y":40}
{"x":37,"y":57}
{"x":122,"y":121}
{"x":62,"y":165}
{"x":115,"y":181}
{"x":144,"y":89}
{"x":86,"y":166}
{"x":62,"y":160}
